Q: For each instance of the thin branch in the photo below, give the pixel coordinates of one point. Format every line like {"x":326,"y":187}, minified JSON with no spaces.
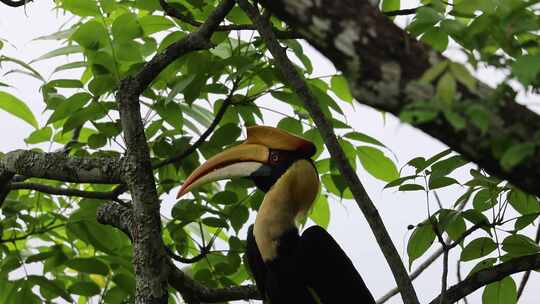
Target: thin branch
{"x":15,"y":3}
{"x":415,"y":274}
{"x":527,"y":274}
{"x":200,"y":141}
{"x":31,"y":233}
{"x":108,"y":195}
{"x":487,"y":276}
{"x":173,"y":12}
{"x":298,"y":85}
{"x":403,"y":12}
{"x":460,"y":279}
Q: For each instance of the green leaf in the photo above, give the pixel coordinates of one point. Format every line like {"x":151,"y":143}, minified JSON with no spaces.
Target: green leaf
{"x":66,"y":83}
{"x":180,"y":84}
{"x":411,"y":187}
{"x":420,"y":241}
{"x":82,"y":7}
{"x":479,"y":116}
{"x":21,"y":63}
{"x":92,"y":35}
{"x":224,"y":198}
{"x":66,"y":50}
{"x":500,"y":292}
{"x":18,"y":108}
{"x":446,"y":88}
{"x":225,"y":135}
{"x":39,"y":136}
{"x":447,"y":166}
{"x":88,"y":265}
{"x":527,"y":68}
{"x":152,"y":24}
{"x":516,"y":154}
{"x":433,"y":72}
{"x":215,"y":222}
{"x":84,"y":288}
{"x":69,"y":106}
{"x":126,"y":27}
{"x":390,"y":5}
{"x":523,"y":203}
{"x":125,"y":281}
{"x":437,"y":38}
{"x":339,"y":85}
{"x":50,"y":285}
{"x":440,"y":182}
{"x":478,"y":248}
{"x":377,"y":164}
{"x":518,"y":245}
{"x":462,"y":75}
{"x":320,"y":213}
{"x":484,"y":200}
{"x":291,"y":125}
{"x":400,"y":181}
{"x":363,"y":138}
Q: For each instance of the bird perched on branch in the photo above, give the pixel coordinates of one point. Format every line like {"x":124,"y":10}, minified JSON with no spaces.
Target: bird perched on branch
{"x":287,"y":267}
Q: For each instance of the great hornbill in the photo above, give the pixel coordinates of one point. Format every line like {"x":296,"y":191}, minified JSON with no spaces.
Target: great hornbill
{"x":287,"y":267}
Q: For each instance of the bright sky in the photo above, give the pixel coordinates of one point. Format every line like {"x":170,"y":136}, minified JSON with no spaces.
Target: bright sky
{"x":348,"y":225}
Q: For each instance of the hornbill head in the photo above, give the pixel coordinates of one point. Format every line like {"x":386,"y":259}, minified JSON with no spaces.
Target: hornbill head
{"x":278,"y":162}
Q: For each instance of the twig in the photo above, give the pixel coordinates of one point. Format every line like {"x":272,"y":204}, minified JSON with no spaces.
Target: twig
{"x":297,"y":83}
{"x":108,"y":195}
{"x":460,"y":279}
{"x":15,"y":3}
{"x":403,"y":12}
{"x":24,"y":236}
{"x":173,"y":12}
{"x":527,"y":274}
{"x":200,"y":141}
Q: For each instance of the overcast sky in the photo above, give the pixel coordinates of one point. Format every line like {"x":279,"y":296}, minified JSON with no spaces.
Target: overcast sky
{"x":348,"y":225}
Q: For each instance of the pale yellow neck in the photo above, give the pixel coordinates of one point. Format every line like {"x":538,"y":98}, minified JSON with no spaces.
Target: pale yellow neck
{"x":289,"y":199}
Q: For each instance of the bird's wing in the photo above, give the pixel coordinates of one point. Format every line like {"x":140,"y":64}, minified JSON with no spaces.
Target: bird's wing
{"x":329,"y":271}
{"x":255,"y":262}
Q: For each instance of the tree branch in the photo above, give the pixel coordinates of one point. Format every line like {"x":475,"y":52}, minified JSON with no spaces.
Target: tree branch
{"x":108,"y":195}
{"x":299,"y":86}
{"x":60,"y":167}
{"x":150,"y":261}
{"x":486,"y":276}
{"x":173,"y":12}
{"x":121,"y":217}
{"x":15,"y":3}
{"x":383,"y":63}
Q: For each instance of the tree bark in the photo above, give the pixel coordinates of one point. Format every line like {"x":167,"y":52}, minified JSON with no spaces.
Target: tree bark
{"x":383,"y":64}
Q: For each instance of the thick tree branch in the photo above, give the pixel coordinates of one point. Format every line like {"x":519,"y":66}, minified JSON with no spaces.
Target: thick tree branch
{"x":299,"y":86}
{"x":60,"y":167}
{"x":151,"y":263}
{"x":486,"y":276}
{"x":121,"y":217}
{"x":5,"y":179}
{"x":15,"y":3}
{"x":108,"y":195}
{"x":383,"y":63}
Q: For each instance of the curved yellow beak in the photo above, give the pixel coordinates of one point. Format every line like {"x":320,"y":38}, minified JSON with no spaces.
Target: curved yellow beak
{"x":238,"y":161}
{"x":246,"y":158}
